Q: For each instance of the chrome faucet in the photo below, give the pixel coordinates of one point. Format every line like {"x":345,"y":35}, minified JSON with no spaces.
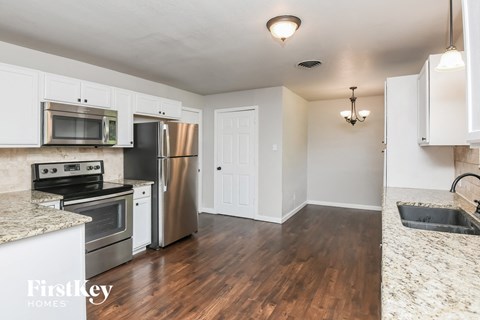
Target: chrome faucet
{"x":454,"y":184}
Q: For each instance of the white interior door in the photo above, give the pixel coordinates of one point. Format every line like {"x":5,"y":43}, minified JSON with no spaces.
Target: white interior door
{"x":235,"y":173}
{"x":192,"y":115}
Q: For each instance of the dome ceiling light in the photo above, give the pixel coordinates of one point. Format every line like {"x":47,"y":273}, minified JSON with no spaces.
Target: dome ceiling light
{"x":283,"y":27}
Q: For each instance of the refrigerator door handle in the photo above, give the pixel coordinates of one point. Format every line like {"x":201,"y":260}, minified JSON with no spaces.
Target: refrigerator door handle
{"x":167,"y":175}
{"x":162,"y":174}
{"x":167,"y":140}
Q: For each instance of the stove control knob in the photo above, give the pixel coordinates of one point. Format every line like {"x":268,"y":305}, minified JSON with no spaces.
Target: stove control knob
{"x":96,"y":167}
{"x":44,"y":171}
{"x":53,"y":170}
{"x":89,"y":167}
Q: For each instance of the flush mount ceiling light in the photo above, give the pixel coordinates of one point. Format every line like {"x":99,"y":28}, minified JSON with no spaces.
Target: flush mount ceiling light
{"x":351,"y":116}
{"x":283,"y":27}
{"x":451,"y":60}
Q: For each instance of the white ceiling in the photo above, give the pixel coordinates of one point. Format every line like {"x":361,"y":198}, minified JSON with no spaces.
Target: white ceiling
{"x":215,"y":46}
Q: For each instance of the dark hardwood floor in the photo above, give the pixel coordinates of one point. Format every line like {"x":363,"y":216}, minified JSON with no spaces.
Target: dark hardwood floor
{"x":324,"y":263}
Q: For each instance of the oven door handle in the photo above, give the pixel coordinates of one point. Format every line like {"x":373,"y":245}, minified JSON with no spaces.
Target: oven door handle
{"x":108,"y":196}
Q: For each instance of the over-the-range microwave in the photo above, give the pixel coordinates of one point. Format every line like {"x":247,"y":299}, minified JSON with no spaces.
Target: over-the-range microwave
{"x":65,"y":125}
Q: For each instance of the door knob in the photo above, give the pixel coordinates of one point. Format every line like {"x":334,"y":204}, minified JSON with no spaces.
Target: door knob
{"x":219,"y":168}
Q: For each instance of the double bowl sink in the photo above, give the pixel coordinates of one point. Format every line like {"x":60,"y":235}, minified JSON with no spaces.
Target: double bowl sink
{"x":438,"y":219}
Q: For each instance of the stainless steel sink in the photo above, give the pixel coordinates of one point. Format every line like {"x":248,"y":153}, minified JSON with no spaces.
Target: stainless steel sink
{"x":438,"y":219}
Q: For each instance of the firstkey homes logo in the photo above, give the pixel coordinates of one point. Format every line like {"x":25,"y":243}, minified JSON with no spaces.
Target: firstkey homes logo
{"x":44,"y":294}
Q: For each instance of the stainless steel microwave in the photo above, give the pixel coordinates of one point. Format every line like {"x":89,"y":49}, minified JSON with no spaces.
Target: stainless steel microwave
{"x":65,"y":125}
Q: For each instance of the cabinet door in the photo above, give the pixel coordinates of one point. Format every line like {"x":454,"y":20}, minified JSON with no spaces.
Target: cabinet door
{"x":423,"y":105}
{"x":147,"y":105}
{"x":448,"y":107}
{"x":471,"y":25}
{"x":171,"y":108}
{"x":97,"y":95}
{"x":20,"y":120}
{"x":141,"y":223}
{"x":62,"y":89}
{"x":124,"y":106}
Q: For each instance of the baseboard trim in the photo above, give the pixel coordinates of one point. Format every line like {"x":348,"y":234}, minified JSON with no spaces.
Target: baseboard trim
{"x":208,"y":210}
{"x":267,"y":219}
{"x":293,"y":212}
{"x":345,"y":205}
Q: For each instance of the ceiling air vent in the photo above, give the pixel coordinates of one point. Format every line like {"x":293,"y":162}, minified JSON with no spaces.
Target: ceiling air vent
{"x":309,"y":64}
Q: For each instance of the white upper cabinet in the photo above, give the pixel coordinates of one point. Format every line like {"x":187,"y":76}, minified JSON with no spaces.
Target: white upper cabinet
{"x":471,"y":27}
{"x":62,"y":89}
{"x":171,"y":108}
{"x":148,"y":105}
{"x":153,"y":106}
{"x":442,"y":108}
{"x":123,"y":103}
{"x":97,"y":95}
{"x":20,"y":120}
{"x":70,"y":90}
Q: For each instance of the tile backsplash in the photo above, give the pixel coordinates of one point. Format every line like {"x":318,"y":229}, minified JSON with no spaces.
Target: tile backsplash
{"x":15,"y":164}
{"x":468,"y":160}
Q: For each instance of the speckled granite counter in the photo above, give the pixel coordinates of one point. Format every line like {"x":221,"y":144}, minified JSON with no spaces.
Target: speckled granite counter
{"x":21,"y":216}
{"x":134,"y":183}
{"x":427,"y":274}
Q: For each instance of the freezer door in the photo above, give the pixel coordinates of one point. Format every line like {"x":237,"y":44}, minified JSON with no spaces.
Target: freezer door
{"x":180,"y":217}
{"x":181,"y":139}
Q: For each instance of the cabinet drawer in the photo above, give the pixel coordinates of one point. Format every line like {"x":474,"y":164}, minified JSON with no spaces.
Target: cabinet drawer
{"x":142,"y":192}
{"x":51,"y":204}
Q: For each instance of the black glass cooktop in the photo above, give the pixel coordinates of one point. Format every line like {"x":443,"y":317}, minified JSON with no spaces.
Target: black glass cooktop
{"x":87,"y":190}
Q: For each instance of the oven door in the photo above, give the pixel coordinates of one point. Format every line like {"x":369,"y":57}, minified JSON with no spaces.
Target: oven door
{"x":112,"y":218}
{"x":68,"y":128}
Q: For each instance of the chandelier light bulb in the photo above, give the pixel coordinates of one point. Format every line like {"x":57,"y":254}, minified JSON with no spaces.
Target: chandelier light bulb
{"x":346,"y":114}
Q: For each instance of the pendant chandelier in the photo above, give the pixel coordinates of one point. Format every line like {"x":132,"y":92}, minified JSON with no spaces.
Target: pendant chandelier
{"x":451,"y":60}
{"x":351,"y":115}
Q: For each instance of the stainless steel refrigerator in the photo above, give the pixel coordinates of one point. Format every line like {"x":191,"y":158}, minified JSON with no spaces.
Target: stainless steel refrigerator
{"x":167,"y":153}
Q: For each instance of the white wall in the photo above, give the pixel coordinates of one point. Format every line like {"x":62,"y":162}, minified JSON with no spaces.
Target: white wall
{"x":345,"y":163}
{"x":408,"y":164}
{"x":29,"y":58}
{"x":294,"y":155}
{"x":269,"y":102}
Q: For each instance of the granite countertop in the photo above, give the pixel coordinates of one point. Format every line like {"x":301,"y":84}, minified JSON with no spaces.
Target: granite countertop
{"x":427,"y":274}
{"x":134,"y":183}
{"x":21,"y":216}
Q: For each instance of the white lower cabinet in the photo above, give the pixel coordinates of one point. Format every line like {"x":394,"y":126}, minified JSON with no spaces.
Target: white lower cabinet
{"x":142,"y":218}
{"x":20,"y":120}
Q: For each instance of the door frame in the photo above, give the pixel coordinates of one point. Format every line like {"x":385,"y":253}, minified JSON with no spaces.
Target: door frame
{"x":200,"y":156}
{"x":255,"y":156}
